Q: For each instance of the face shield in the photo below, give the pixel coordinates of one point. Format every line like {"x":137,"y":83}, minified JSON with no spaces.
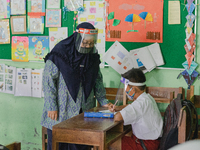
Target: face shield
{"x":129,"y":89}
{"x":86,"y":40}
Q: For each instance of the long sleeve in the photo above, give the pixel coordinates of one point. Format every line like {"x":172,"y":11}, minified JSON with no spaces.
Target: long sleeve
{"x":50,"y":79}
{"x":100,"y":92}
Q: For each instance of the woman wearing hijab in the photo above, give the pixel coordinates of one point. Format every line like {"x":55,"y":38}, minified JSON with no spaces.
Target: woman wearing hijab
{"x":71,"y":79}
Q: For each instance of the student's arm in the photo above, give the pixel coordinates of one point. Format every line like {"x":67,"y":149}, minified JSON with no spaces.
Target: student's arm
{"x":50,"y":77}
{"x":118,"y":117}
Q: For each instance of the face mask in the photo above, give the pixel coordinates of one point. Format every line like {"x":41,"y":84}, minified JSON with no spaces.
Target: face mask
{"x":85,"y":50}
{"x":128,"y":94}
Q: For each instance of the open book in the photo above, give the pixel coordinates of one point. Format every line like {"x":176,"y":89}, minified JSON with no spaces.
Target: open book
{"x":147,"y":58}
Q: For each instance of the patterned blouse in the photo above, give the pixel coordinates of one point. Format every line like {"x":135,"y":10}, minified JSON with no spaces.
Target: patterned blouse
{"x":58,"y":98}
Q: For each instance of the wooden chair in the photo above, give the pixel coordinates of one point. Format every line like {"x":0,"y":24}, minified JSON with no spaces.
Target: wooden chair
{"x":195,"y":99}
{"x":14,"y":146}
{"x":44,"y":138}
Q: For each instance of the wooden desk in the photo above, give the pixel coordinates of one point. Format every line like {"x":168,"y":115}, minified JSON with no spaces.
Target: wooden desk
{"x":99,"y":132}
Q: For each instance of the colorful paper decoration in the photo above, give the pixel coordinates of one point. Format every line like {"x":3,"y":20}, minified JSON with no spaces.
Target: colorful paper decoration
{"x":192,"y":67}
{"x":38,"y":47}
{"x":189,"y":79}
{"x":121,"y":9}
{"x":146,"y":17}
{"x":20,"y":48}
{"x":132,"y":18}
{"x":116,"y":22}
{"x":111,"y":16}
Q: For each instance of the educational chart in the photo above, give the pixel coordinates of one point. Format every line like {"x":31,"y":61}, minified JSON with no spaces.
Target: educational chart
{"x":36,"y":83}
{"x":94,"y":14}
{"x":23,"y":82}
{"x":2,"y":77}
{"x":134,"y":21}
{"x":20,"y":48}
{"x":38,"y":47}
{"x":56,"y":35}
{"x":10,"y":74}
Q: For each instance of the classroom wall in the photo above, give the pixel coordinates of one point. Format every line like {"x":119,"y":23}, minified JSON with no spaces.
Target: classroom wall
{"x":20,"y":116}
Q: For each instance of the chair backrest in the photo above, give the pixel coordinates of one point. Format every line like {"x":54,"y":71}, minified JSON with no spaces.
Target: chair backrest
{"x":164,"y":94}
{"x":14,"y":146}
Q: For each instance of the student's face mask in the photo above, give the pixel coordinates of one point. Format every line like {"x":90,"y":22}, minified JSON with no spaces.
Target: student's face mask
{"x":130,"y":92}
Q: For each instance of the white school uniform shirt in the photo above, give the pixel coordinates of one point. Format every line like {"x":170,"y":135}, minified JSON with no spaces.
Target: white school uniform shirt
{"x":144,"y":116}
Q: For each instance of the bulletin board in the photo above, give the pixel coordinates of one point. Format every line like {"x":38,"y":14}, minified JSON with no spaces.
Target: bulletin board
{"x":173,"y":40}
{"x":5,"y":49}
{"x":172,"y":47}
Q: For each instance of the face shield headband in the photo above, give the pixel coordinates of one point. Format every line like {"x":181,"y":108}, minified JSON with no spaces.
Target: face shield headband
{"x":128,"y":90}
{"x":86,"y":40}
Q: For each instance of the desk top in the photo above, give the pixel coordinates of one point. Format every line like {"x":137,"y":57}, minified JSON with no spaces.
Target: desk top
{"x":88,"y":124}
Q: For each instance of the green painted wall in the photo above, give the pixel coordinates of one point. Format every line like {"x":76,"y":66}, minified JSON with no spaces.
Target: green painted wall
{"x":20,"y":116}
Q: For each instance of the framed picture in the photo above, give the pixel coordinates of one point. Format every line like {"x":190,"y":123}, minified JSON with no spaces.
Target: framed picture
{"x":18,"y":7}
{"x":53,"y":17}
{"x":35,"y":24}
{"x":53,"y":4}
{"x":4,"y":8}
{"x":4,"y":31}
{"x":18,"y":24}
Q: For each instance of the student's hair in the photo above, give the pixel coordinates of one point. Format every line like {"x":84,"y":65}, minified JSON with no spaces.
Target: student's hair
{"x":135,"y":75}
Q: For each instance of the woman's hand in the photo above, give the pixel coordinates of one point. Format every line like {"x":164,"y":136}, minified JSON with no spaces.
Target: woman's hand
{"x":53,"y":115}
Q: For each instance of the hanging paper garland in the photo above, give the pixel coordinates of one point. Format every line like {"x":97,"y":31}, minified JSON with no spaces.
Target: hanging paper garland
{"x":189,"y":73}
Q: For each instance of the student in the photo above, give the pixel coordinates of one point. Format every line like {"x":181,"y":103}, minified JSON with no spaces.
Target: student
{"x":143,"y":114}
{"x":71,"y":79}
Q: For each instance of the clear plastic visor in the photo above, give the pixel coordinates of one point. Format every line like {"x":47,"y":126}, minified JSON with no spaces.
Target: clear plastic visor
{"x":86,"y":41}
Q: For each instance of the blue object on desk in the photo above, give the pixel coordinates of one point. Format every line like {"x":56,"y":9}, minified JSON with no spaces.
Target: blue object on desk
{"x":98,"y":115}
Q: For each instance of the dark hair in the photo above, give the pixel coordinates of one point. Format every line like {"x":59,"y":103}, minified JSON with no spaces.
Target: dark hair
{"x":135,"y":75}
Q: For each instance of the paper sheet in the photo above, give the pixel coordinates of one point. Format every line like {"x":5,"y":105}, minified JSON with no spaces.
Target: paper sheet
{"x":56,"y":35}
{"x":136,"y":61}
{"x":118,"y":58}
{"x":2,"y":77}
{"x":107,"y":111}
{"x":23,"y":82}
{"x":146,"y":58}
{"x":10,"y":77}
{"x":156,"y":54}
{"x":174,"y":12}
{"x":36,"y":83}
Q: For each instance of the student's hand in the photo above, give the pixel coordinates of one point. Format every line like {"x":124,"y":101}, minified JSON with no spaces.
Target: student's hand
{"x":112,"y":108}
{"x":53,"y":115}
